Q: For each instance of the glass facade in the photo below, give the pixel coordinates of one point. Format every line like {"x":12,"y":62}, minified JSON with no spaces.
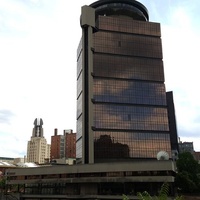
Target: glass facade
{"x":122,"y":117}
{"x":130,"y":117}
{"x":129,"y":92}
{"x":123,"y":145}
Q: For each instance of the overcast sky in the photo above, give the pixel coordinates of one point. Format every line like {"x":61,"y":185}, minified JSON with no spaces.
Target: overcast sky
{"x":38,"y":43}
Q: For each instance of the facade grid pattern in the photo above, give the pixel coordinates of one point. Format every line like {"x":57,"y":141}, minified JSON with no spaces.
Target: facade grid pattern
{"x":129,"y":107}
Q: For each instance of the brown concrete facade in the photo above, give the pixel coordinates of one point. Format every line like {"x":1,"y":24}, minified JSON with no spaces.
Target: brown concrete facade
{"x":91,"y":180}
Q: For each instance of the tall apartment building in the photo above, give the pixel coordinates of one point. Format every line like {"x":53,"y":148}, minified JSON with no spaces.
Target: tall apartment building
{"x":70,"y":142}
{"x":57,"y":146}
{"x":63,"y":146}
{"x":122,"y":106}
{"x":38,"y":150}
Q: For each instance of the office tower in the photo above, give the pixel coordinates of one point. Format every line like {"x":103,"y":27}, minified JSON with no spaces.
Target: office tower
{"x":37,"y":149}
{"x":63,"y":146}
{"x":122,"y":111}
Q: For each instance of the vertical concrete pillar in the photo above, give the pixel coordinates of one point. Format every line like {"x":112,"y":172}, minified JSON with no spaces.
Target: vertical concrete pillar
{"x":87,"y":24}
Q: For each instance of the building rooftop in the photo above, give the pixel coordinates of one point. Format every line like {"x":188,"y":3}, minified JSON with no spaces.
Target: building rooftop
{"x":6,"y":164}
{"x":131,"y":8}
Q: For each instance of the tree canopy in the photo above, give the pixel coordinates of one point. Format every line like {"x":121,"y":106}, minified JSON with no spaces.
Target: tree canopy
{"x":187,"y":179}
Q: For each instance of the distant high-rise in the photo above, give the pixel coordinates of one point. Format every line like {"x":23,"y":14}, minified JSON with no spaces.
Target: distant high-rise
{"x":70,"y":142}
{"x":122,"y":110}
{"x":63,"y":146}
{"x":57,"y":146}
{"x":186,"y":147}
{"x":38,"y":150}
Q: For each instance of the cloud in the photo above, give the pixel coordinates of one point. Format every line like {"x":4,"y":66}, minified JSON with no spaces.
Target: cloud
{"x":5,"y":116}
{"x":12,"y":147}
{"x":181,"y":42}
{"x":38,"y":65}
{"x":20,"y":18}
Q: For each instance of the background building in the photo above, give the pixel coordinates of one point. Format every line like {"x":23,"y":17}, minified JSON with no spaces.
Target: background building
{"x":197,"y":156}
{"x":63,"y":146}
{"x":6,"y":159}
{"x":38,"y":151}
{"x":70,"y":142}
{"x":186,"y":147}
{"x":122,"y":106}
{"x":57,"y":145}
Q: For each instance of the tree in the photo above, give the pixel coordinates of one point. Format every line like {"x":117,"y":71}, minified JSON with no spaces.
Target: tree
{"x":186,"y":162}
{"x":187,"y":178}
{"x":2,"y":184}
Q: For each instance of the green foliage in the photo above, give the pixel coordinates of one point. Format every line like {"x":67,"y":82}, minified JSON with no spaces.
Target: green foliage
{"x":162,"y":195}
{"x":186,"y":162}
{"x":179,"y":198}
{"x":125,"y":197}
{"x":144,"y":195}
{"x":185,"y":182}
{"x":2,"y":184}
{"x":187,"y":178}
{"x":164,"y":191}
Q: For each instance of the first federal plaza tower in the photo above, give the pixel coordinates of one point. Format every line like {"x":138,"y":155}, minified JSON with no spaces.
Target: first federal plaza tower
{"x":123,"y":110}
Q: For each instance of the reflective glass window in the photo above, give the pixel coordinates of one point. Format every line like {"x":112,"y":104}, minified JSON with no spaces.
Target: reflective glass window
{"x":131,"y":92}
{"x":125,"y":67}
{"x":126,"y":25}
{"x":131,"y":45}
{"x":107,"y":116}
{"x":126,"y":145}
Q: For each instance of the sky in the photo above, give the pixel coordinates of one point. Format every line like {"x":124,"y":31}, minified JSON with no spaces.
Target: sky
{"x":38,"y":43}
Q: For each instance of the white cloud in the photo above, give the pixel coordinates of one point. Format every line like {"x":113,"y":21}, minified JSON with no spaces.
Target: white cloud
{"x":38,"y":47}
{"x":180,"y":46}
